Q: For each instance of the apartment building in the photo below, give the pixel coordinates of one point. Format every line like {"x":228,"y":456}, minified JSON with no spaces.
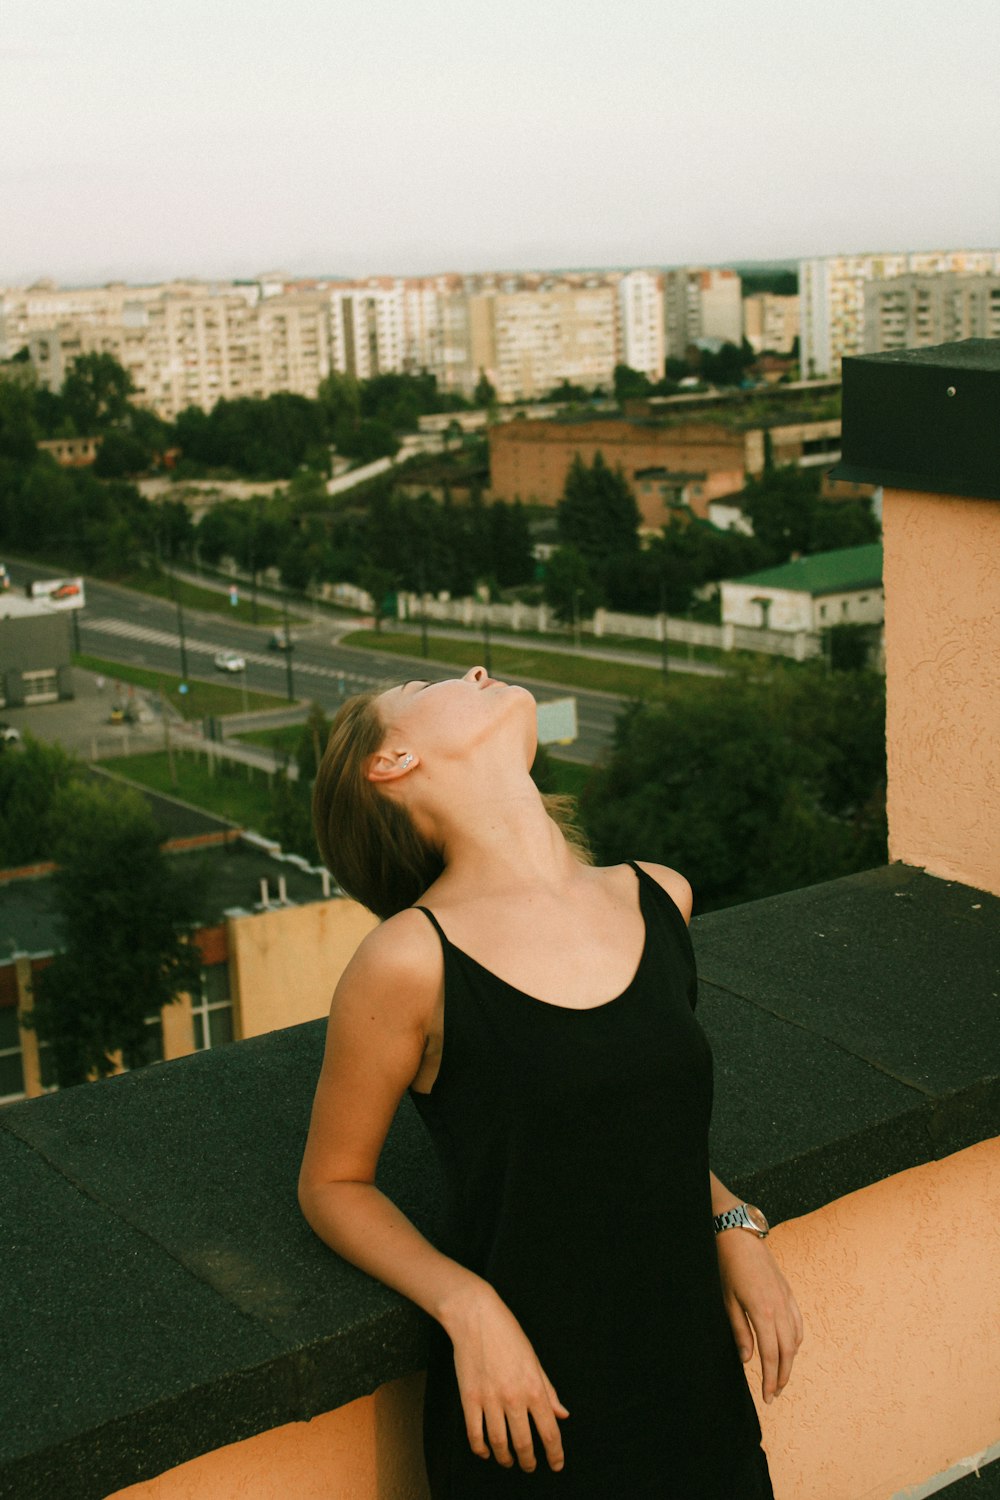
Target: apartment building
{"x":913,"y":310}
{"x":528,"y":341}
{"x":191,"y":349}
{"x":44,"y":305}
{"x":832,"y":292}
{"x":701,"y":304}
{"x":641,"y":322}
{"x":771,"y":322}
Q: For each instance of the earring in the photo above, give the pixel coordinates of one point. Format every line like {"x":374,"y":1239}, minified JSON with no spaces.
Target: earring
{"x":406,"y":762}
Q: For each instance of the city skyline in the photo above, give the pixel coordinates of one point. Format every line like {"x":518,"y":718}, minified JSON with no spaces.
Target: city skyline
{"x":407,"y":139}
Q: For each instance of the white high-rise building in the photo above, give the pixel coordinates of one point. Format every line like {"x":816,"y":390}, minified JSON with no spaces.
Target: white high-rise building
{"x":832,"y":295}
{"x":640,"y":322}
{"x":368,"y":327}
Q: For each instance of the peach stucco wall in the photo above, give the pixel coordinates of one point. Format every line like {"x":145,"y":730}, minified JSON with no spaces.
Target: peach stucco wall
{"x":286,"y":962}
{"x":368,"y":1450}
{"x":898,"y":1378}
{"x":942,"y":650}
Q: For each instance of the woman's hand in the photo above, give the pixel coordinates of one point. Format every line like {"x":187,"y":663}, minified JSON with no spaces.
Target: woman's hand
{"x":501,"y":1383}
{"x":759,"y":1301}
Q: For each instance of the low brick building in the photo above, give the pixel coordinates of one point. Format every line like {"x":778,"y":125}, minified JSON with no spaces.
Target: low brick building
{"x":530,"y":460}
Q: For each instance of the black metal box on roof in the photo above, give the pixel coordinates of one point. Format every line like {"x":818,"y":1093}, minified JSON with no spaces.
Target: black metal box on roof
{"x":924,"y":419}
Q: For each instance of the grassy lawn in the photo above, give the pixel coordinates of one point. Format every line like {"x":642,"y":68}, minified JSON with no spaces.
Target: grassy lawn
{"x":202,"y":698}
{"x":284,"y":739}
{"x":240,"y":793}
{"x":193,"y":597}
{"x":518,"y":661}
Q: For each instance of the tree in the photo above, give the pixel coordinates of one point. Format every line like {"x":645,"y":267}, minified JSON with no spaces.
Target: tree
{"x":121,"y":455}
{"x":485,"y":393}
{"x":598,"y":513}
{"x":752,"y":784}
{"x":788,"y":515}
{"x":95,"y":393}
{"x":18,"y":428}
{"x":570,"y":586}
{"x":630,"y":383}
{"x":30,"y":776}
{"x":122,"y":905}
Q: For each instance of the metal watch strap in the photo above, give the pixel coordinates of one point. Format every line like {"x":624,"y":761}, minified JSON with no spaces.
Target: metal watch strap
{"x":734,"y":1218}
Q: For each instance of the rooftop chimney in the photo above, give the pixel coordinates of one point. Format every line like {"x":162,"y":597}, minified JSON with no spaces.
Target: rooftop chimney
{"x":923,"y":423}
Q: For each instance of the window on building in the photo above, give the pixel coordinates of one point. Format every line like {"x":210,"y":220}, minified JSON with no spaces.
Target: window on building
{"x":822,"y":611}
{"x":212,"y":1011}
{"x":845,"y":607}
{"x":11,"y":1062}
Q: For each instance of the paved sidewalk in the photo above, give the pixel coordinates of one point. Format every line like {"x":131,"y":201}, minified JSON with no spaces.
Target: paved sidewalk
{"x":82,"y":725}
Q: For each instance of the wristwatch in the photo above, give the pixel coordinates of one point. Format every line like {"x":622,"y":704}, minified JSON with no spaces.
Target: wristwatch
{"x":743,"y":1216}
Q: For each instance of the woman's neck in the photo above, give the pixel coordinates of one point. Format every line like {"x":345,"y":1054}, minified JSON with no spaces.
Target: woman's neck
{"x":500,"y":835}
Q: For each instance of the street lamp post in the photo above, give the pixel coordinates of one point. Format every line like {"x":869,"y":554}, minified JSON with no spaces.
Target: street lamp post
{"x":663,"y":617}
{"x":288,"y":651}
{"x":487,"y":652}
{"x":180,"y":625}
{"x":422,"y":584}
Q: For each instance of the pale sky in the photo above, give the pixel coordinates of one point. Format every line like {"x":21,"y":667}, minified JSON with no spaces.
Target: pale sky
{"x":143,"y":139}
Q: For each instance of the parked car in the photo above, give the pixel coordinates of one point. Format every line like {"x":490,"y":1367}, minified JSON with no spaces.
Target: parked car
{"x":8,"y":734}
{"x":229,"y":661}
{"x":281,"y":641}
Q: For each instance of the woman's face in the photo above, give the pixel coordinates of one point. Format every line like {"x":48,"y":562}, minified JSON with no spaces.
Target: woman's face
{"x":452,"y":715}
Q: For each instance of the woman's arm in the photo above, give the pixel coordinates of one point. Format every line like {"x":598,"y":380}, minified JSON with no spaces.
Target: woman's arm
{"x":379,"y":1021}
{"x":758,"y":1298}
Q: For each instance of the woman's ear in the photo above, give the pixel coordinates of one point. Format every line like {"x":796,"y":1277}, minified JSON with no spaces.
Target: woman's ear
{"x":390,"y":765}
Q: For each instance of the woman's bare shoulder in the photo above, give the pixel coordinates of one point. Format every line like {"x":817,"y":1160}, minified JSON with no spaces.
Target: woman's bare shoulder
{"x":404,"y":947}
{"x":674,"y":883}
{"x":396,"y":972}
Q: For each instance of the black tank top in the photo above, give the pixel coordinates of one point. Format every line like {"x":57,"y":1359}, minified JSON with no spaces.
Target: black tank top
{"x":574,"y":1149}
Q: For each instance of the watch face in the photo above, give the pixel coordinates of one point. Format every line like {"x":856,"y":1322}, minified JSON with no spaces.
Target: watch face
{"x":757,"y":1219}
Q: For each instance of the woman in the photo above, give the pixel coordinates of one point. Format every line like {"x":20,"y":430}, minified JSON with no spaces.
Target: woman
{"x":591,"y":1319}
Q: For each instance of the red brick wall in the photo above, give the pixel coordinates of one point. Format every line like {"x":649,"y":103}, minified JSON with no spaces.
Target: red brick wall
{"x":529,"y":460}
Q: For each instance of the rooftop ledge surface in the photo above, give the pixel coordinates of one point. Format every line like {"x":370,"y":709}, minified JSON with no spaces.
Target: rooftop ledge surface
{"x":164,"y":1296}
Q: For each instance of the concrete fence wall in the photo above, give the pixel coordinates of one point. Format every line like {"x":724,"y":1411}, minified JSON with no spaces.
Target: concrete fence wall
{"x":473,"y":613}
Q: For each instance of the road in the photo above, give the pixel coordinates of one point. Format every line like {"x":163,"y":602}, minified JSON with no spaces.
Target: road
{"x":139,"y":629}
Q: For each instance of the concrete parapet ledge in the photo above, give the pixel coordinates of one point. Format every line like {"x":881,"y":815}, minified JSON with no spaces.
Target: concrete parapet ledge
{"x":164,"y":1296}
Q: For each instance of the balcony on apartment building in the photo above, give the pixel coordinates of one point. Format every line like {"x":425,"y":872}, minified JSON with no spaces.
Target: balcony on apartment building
{"x":172,"y":1328}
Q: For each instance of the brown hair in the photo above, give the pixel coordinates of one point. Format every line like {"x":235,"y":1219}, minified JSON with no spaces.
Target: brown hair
{"x":368,"y":842}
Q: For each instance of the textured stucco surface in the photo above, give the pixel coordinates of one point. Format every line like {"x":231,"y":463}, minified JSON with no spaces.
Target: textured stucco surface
{"x":899,"y":1372}
{"x":942,"y":648}
{"x":367,"y":1450}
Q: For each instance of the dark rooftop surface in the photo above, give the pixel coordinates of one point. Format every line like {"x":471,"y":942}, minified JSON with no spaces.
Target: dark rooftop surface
{"x":233,"y":871}
{"x":165,"y":1297}
{"x":178,"y":820}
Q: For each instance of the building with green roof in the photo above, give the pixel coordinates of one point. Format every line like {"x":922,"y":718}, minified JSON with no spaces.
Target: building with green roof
{"x":809,"y":593}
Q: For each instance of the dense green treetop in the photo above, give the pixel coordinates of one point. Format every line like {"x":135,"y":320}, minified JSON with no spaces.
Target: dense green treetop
{"x":751,"y":784}
{"x":122,"y":906}
{"x":598,"y":513}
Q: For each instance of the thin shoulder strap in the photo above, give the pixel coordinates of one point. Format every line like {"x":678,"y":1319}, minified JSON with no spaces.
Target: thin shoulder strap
{"x":664,"y":900}
{"x":434,"y":923}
